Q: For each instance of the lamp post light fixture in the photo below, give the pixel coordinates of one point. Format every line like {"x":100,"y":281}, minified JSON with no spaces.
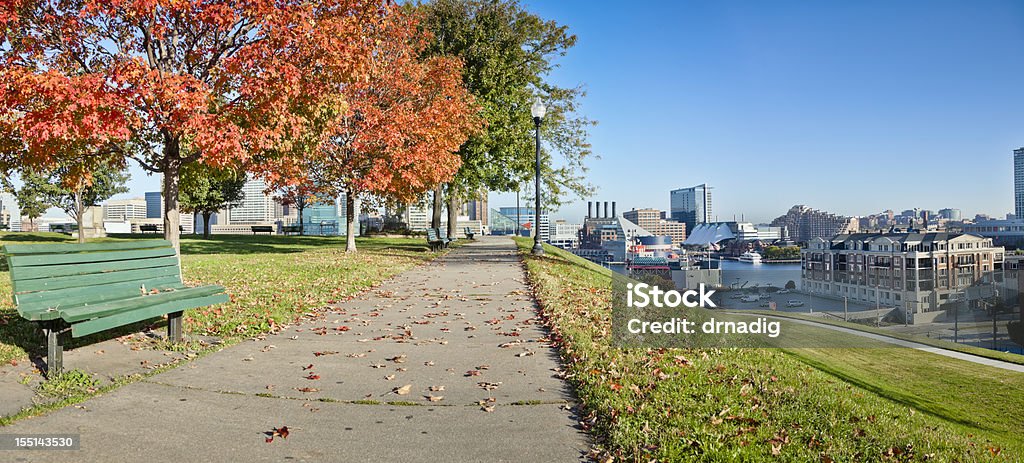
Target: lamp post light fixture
{"x":537,"y":110}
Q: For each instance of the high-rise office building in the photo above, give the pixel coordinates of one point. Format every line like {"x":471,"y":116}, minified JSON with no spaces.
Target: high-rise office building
{"x":1018,"y":182}
{"x":154,"y":205}
{"x":256,"y":207}
{"x":691,"y":206}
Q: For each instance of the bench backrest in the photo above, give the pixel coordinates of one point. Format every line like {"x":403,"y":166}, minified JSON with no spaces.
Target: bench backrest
{"x":431,"y":234}
{"x":46,"y":276}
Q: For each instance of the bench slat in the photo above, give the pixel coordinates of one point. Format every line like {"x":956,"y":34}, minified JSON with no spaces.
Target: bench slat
{"x":88,"y":281}
{"x":46,"y":260}
{"x":85,"y":312}
{"x":22,"y":249}
{"x":30,"y":273}
{"x":123,"y":318}
{"x":36,"y":306}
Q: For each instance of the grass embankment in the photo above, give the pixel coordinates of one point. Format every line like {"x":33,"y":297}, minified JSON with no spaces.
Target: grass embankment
{"x":272,"y":280}
{"x":942,"y":344}
{"x":768,"y":404}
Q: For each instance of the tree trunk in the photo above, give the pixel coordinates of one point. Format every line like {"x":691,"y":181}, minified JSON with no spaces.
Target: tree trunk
{"x":435,"y":220}
{"x":453,"y":213}
{"x":301,"y":207}
{"x":79,"y":213}
{"x":172,"y":173}
{"x":351,"y":209}
{"x":206,"y":224}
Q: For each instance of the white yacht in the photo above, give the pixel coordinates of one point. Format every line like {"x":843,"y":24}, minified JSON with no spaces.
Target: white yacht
{"x":750,"y":256}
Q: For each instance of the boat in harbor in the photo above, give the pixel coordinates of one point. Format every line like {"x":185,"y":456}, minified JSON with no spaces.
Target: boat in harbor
{"x":750,"y":257}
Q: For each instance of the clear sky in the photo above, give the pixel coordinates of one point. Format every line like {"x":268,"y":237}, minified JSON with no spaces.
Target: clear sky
{"x":851,"y":107}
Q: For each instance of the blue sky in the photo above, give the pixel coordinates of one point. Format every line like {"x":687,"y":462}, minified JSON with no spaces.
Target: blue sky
{"x":851,"y":107}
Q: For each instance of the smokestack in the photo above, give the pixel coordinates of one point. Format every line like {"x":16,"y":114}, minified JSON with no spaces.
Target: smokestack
{"x":606,"y":210}
{"x":613,"y":209}
{"x":590,"y":209}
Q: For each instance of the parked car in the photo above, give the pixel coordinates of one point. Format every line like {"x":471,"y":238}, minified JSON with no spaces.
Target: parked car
{"x":750,"y":298}
{"x":784,"y":291}
{"x":794,"y":303}
{"x":766,"y":304}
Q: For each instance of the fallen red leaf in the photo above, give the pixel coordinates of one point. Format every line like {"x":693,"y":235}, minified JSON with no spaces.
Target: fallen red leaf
{"x":281,"y":432}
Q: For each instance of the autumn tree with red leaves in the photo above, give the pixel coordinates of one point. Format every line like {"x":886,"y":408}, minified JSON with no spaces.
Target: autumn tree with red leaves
{"x":168,"y":83}
{"x":406,"y":118}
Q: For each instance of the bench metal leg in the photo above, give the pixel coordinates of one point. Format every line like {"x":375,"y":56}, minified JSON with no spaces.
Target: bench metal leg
{"x":174,"y":326}
{"x":54,"y":348}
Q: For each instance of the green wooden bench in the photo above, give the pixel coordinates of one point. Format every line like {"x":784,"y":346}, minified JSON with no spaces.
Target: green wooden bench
{"x":470,"y":233}
{"x":149,"y":228}
{"x":93,"y":287}
{"x":66,"y":229}
{"x":291,"y":229}
{"x":434,"y":240}
{"x":268,"y":229}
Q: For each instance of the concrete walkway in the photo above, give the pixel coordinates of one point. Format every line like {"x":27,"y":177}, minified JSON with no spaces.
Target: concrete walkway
{"x":445,"y":362}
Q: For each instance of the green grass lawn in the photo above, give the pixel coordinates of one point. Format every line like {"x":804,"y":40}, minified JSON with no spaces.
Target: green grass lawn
{"x":940,"y":343}
{"x":872,"y":404}
{"x":272,"y":280}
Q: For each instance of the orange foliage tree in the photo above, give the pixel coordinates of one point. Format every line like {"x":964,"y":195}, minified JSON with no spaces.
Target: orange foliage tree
{"x":405,"y":118}
{"x":172,"y":82}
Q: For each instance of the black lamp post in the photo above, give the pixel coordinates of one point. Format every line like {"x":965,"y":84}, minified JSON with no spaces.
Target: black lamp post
{"x":537,"y":110}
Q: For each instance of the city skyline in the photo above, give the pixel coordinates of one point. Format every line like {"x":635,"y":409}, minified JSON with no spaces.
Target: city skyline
{"x":777,"y":104}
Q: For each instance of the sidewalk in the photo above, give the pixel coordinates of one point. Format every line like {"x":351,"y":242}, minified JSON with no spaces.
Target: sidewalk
{"x":442,"y":363}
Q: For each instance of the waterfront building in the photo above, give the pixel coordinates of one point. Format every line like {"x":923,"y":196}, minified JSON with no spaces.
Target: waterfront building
{"x":691,"y":206}
{"x":652,"y":221}
{"x":10,"y":213}
{"x":565,"y":235}
{"x":1008,"y":233}
{"x":417,"y":215}
{"x":805,"y":224}
{"x":916,"y":272}
{"x":712,"y":234}
{"x":124,"y":210}
{"x":526,"y":216}
{"x":499,"y":224}
{"x":645,"y":218}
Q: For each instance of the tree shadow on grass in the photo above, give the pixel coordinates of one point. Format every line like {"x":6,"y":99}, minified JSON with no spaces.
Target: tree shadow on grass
{"x":34,"y":238}
{"x":217,"y":246}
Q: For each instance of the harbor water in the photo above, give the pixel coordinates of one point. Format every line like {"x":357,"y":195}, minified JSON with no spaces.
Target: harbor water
{"x":736,"y":273}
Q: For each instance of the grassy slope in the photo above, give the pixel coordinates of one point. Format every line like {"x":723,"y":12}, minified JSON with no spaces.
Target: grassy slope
{"x":759,"y":404}
{"x":943,"y":344}
{"x":272,"y":280}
